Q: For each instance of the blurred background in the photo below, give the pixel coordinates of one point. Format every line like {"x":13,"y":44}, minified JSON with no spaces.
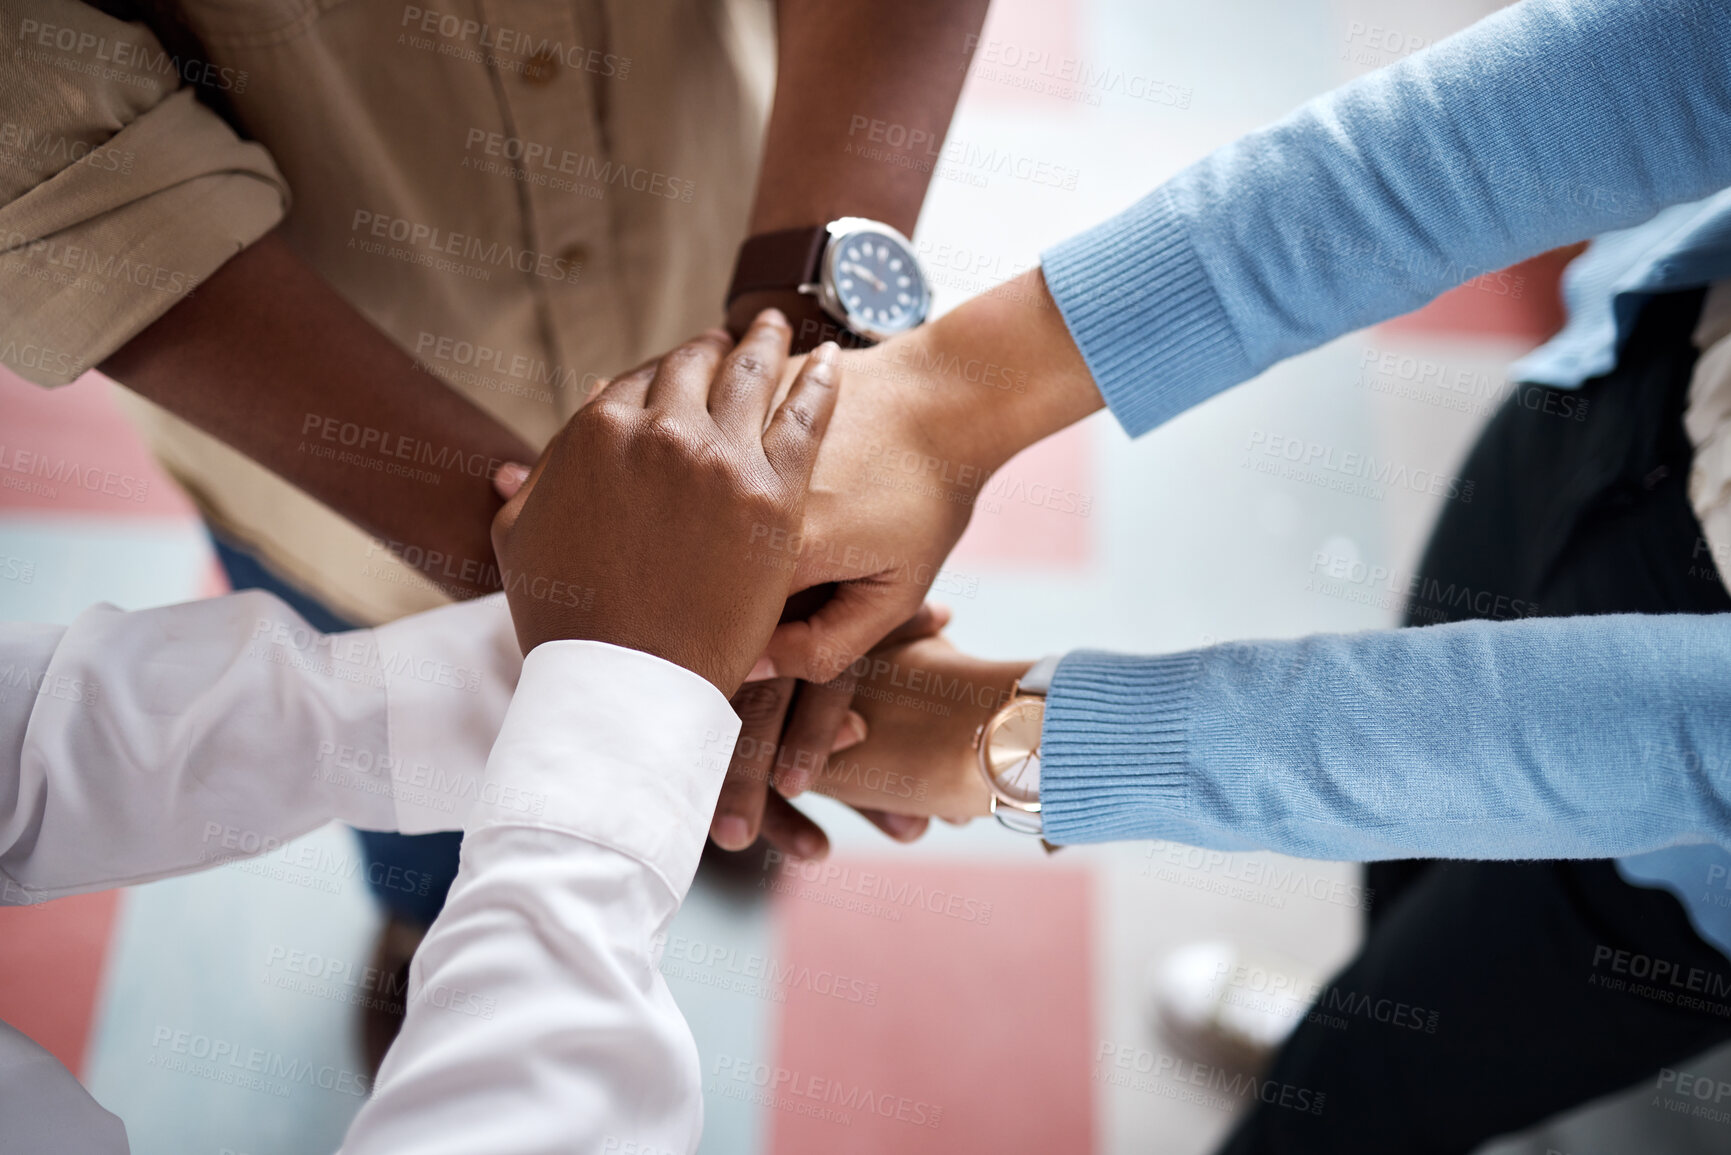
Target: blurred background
{"x":1001,"y":992}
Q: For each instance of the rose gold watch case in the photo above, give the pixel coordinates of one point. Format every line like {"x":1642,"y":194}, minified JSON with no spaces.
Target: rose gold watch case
{"x":1015,"y":746}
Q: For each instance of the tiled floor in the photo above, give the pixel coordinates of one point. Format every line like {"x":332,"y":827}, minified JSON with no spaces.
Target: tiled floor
{"x":990,"y":1027}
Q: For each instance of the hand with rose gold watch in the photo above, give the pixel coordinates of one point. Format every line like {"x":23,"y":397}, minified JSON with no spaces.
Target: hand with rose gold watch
{"x":946,"y":735}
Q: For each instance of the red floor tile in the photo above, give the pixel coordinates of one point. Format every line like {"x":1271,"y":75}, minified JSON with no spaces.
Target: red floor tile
{"x":931,"y":1007}
{"x":51,"y":960}
{"x":70,"y":451}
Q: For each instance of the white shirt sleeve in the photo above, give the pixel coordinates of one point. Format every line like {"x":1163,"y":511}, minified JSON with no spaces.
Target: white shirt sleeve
{"x":538,"y":1020}
{"x":135,"y":746}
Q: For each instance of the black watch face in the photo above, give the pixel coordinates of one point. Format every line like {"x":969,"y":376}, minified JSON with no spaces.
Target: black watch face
{"x":877,"y":283}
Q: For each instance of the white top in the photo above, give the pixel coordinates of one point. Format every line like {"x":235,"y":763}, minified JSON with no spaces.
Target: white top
{"x":1707,"y":419}
{"x":135,"y":746}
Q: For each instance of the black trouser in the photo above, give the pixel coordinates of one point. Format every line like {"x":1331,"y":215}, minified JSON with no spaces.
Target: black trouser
{"x":1500,"y":964}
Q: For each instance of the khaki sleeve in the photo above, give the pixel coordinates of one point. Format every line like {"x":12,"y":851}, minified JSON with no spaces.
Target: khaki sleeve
{"x":119,"y":191}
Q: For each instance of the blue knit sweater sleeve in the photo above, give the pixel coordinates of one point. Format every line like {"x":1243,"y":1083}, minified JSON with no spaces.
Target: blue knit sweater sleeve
{"x":1543,"y":738}
{"x":1546,"y":123}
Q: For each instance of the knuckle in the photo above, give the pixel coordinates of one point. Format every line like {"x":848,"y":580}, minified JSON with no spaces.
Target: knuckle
{"x":801,"y":418}
{"x":749,"y":366}
{"x":606,"y":419}
{"x":668,"y":431}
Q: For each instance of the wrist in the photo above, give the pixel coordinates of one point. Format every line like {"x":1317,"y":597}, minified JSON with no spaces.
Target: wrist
{"x":993,"y":376}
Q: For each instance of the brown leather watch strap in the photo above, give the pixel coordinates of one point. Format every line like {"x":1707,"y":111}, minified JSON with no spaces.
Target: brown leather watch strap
{"x":784,"y":260}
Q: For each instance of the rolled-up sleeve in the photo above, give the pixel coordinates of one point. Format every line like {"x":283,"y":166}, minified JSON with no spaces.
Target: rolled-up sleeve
{"x":119,"y":191}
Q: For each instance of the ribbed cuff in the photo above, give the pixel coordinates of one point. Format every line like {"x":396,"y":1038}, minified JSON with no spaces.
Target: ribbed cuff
{"x":1114,"y":752}
{"x":1145,"y":314}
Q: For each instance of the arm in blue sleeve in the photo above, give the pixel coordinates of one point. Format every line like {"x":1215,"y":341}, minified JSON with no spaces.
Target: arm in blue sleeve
{"x":1546,"y":123}
{"x":1589,"y":737}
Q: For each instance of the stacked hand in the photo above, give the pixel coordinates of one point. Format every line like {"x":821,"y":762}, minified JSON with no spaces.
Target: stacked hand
{"x":922,"y":703}
{"x":926,"y":421}
{"x":640,"y":526}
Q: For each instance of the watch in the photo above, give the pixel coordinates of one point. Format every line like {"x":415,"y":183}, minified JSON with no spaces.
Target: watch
{"x":862,"y":273}
{"x":1008,"y":745}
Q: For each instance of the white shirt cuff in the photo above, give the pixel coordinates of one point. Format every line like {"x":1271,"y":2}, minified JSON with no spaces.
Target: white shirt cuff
{"x":615,"y":746}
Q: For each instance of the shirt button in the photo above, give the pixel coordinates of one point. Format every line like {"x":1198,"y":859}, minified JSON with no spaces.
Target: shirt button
{"x":575,"y":255}
{"x":542,"y":68}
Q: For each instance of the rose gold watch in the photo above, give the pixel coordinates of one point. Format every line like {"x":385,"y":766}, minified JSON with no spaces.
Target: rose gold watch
{"x":1008,"y":745}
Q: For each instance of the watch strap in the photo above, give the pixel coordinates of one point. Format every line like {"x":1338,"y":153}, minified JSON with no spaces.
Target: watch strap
{"x":782,"y":260}
{"x":1038,"y":679}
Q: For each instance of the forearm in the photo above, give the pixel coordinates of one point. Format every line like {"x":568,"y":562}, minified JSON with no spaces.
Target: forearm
{"x":537,"y":1020}
{"x":989,"y":378}
{"x":1543,"y":738}
{"x":134,"y":746}
{"x":1546,"y":123}
{"x":843,"y":68}
{"x":269,"y":359}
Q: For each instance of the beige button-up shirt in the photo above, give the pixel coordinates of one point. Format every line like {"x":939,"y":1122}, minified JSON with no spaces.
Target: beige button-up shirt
{"x":525,"y":194}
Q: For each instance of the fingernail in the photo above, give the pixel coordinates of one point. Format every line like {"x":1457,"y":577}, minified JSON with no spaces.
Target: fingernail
{"x":901,"y":826}
{"x":772,"y":316}
{"x":792,"y":783}
{"x":852,"y":732}
{"x":730,"y":832}
{"x":510,"y":478}
{"x":809,"y":845}
{"x":825,"y":354}
{"x":763,"y":671}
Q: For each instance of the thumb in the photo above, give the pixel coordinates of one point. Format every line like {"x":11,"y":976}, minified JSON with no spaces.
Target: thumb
{"x":509,"y":478}
{"x":847,"y":625}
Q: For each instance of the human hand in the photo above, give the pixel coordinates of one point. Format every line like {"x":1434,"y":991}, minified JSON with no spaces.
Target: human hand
{"x":927,"y":419}
{"x":770,"y":749}
{"x":921,"y":703}
{"x":642,"y":522}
